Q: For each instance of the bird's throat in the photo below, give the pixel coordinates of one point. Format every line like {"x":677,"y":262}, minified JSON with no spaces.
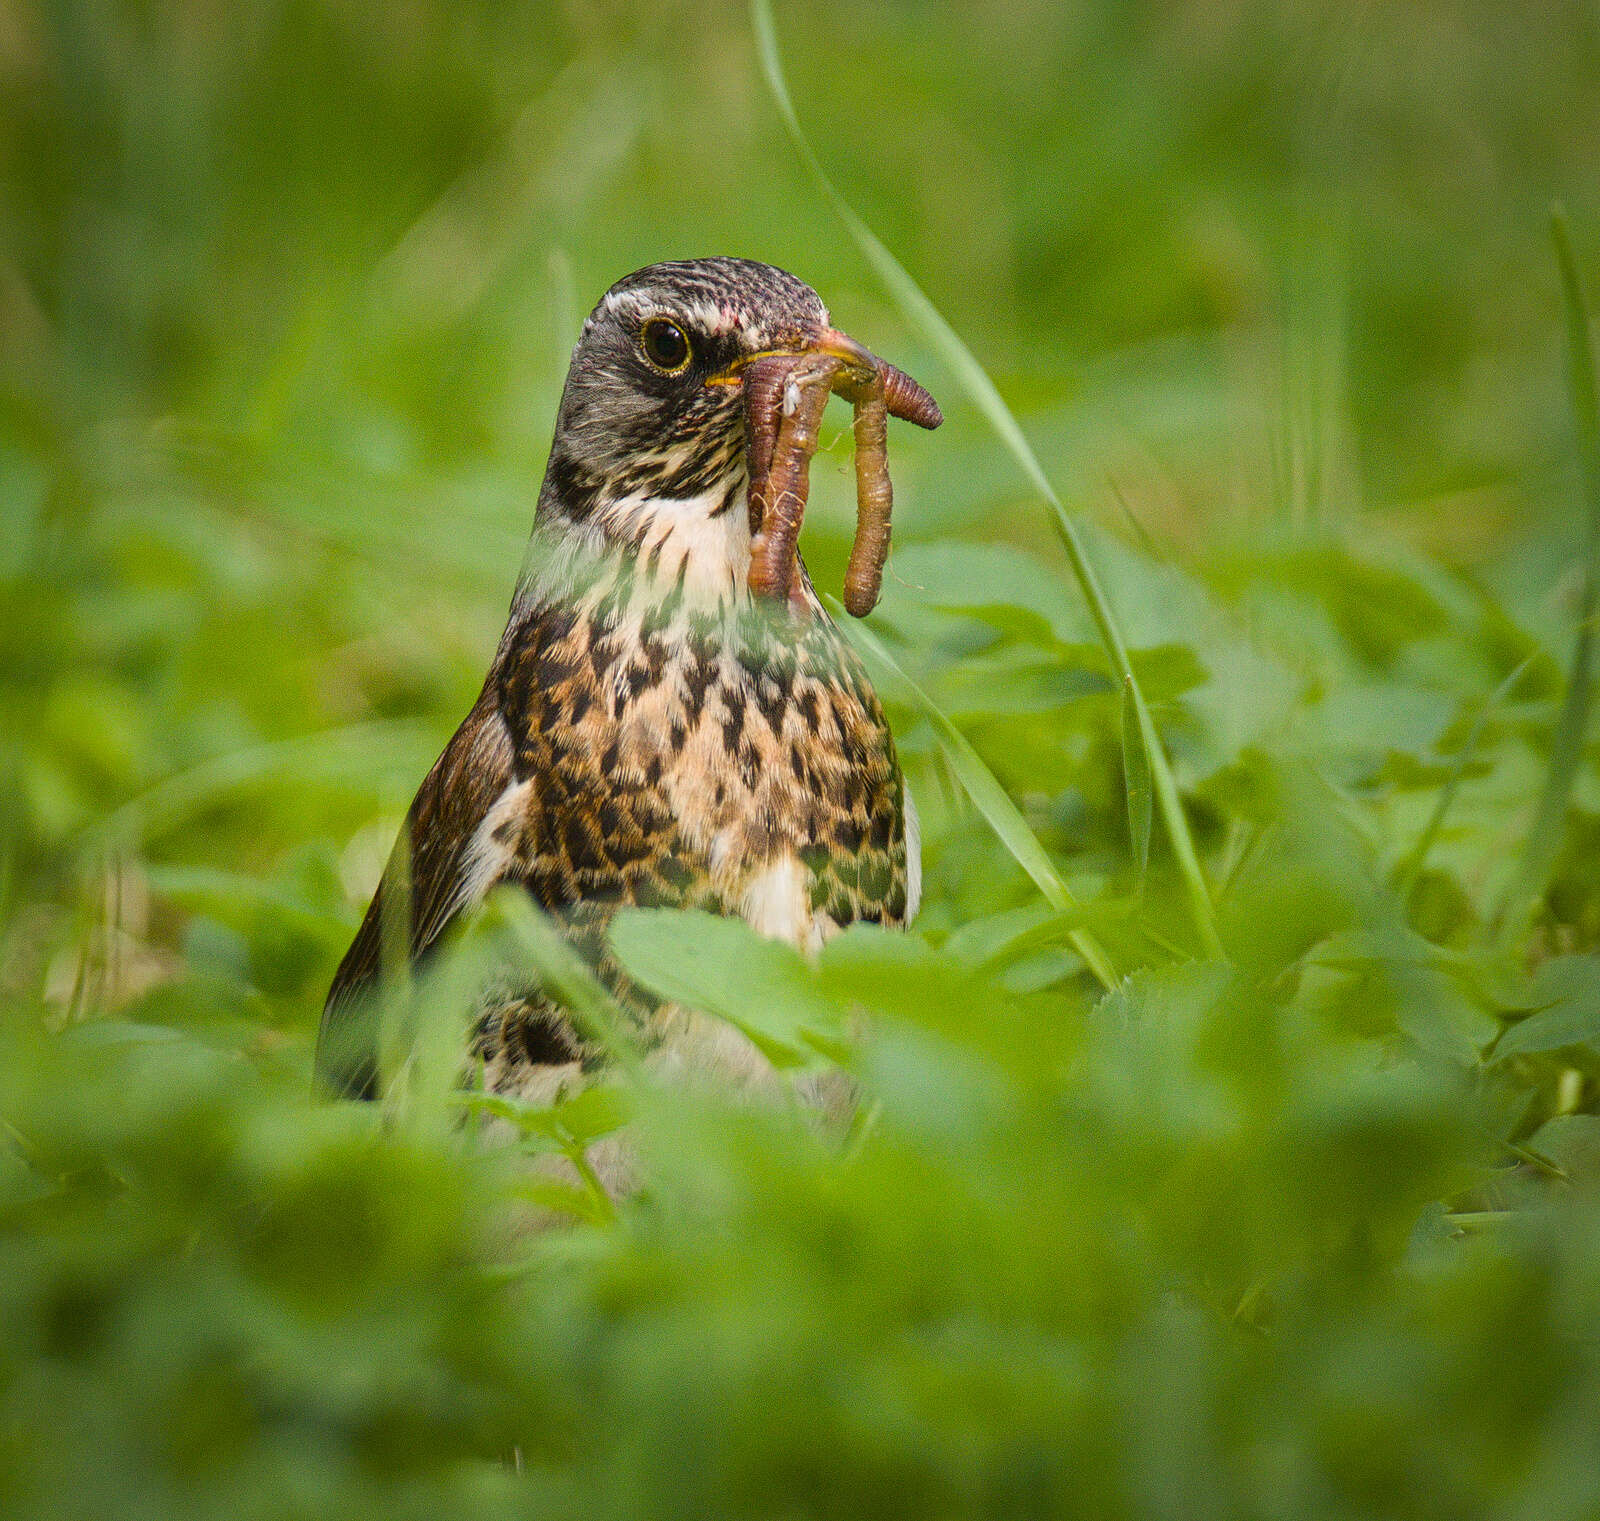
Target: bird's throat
{"x":696,"y":546}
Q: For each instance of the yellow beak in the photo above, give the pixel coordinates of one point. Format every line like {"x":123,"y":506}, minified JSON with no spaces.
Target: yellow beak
{"x":829,"y":341}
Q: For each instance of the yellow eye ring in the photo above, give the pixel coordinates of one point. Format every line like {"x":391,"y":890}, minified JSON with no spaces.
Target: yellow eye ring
{"x":665,"y":344}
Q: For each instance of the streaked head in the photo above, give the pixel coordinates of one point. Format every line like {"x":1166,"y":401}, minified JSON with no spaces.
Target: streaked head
{"x":648,"y":410}
{"x":653,"y":407}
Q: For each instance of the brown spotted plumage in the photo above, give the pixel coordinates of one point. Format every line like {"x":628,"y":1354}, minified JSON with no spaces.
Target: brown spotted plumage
{"x":653,"y":730}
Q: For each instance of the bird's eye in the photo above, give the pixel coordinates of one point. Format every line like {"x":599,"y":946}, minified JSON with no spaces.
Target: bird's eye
{"x":665,"y":344}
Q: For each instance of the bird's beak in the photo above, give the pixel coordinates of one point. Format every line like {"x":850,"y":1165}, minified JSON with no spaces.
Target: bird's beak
{"x":826,"y":341}
{"x":859,"y":367}
{"x":860,"y":364}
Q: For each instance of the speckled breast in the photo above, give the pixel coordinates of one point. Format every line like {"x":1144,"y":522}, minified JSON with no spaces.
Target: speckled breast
{"x":726,"y":757}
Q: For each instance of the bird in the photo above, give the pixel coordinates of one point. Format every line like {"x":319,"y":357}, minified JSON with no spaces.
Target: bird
{"x":650,"y":732}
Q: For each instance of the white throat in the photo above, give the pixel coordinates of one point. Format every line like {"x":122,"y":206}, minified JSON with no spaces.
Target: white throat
{"x":704,"y":540}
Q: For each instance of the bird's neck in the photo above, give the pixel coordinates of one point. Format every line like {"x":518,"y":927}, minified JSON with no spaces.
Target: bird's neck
{"x":697,"y":545}
{"x":690,"y":550}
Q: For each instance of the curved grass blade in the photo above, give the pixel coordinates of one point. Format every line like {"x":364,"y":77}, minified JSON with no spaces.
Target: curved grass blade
{"x":568,"y":978}
{"x":1136,"y":780}
{"x":1566,"y":746}
{"x":990,"y":799}
{"x":334,"y":753}
{"x":921,"y":313}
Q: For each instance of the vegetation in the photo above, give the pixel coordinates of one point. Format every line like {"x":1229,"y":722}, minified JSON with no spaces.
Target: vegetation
{"x":1300,"y":1218}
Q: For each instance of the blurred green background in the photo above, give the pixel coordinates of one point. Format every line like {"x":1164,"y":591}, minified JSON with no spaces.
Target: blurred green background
{"x":287,"y":292}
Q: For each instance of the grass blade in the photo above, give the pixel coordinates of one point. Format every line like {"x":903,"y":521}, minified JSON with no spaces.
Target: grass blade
{"x":1410,"y":869}
{"x":358,"y":750}
{"x":1136,"y":781}
{"x":921,"y":313}
{"x":990,"y":799}
{"x":1566,"y":746}
{"x":568,"y":978}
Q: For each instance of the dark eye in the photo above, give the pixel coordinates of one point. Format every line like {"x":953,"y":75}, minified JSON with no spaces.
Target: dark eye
{"x":665,"y":344}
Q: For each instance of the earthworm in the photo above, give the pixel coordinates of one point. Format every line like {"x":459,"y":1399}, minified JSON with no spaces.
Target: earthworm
{"x":784,"y":398}
{"x":764,"y":381}
{"x":876,"y":390}
{"x":874,"y":503}
{"x":906,"y":399}
{"x":783,"y":490}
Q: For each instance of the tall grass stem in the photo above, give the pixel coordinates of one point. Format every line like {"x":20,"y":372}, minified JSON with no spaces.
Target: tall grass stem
{"x":1566,"y":745}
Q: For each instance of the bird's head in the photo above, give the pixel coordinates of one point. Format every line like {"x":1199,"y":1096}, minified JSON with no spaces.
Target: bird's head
{"x":652,"y":417}
{"x":648,"y":413}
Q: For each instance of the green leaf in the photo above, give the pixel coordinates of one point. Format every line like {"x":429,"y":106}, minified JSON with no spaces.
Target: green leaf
{"x":978,"y":578}
{"x":1411,"y":867}
{"x":1572,"y":1143}
{"x":398,"y":748}
{"x":1567,"y":989}
{"x":587,"y":1116}
{"x":720,"y":966}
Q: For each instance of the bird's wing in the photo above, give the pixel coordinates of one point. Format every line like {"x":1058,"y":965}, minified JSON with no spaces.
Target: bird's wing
{"x":458,"y":842}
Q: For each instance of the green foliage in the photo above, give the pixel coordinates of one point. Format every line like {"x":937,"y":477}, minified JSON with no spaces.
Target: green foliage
{"x":1262,"y":297}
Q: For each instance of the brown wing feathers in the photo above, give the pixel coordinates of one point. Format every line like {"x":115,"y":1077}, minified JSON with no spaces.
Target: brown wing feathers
{"x":434,"y":852}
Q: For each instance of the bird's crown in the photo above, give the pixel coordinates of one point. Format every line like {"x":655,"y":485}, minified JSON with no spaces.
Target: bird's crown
{"x":755,"y":305}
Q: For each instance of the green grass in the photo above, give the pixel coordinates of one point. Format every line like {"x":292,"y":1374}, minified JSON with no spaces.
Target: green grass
{"x":1228,"y":1140}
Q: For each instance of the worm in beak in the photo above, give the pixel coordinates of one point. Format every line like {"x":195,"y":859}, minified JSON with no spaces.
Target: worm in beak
{"x":784,"y":396}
